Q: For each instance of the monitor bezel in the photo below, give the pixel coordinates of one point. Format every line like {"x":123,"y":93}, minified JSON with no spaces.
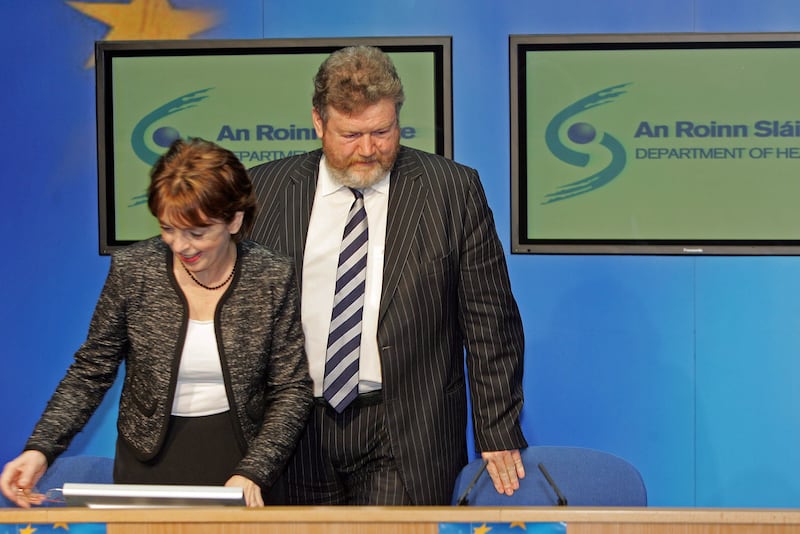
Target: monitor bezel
{"x":106,"y":51}
{"x":519,"y":44}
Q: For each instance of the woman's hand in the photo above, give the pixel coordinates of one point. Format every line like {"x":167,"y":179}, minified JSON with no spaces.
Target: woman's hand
{"x":19,"y":477}
{"x":252,"y":491}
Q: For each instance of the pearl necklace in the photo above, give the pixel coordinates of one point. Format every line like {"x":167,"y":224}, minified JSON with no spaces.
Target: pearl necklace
{"x":201,"y":284}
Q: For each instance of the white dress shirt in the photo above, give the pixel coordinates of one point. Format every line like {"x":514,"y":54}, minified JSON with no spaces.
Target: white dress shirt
{"x":332,"y":203}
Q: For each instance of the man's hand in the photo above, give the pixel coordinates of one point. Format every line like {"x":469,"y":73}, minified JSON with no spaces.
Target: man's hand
{"x":505,"y":468}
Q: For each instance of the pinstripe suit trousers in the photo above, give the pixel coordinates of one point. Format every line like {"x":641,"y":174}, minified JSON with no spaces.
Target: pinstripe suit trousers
{"x":345,"y":459}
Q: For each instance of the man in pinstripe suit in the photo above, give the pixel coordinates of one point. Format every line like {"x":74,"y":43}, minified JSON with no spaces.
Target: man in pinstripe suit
{"x":437,"y":286}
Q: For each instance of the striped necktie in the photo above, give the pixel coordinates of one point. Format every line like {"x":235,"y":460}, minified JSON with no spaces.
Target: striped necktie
{"x":340,"y":384}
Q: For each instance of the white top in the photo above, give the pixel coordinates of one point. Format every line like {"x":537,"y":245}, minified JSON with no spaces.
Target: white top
{"x":201,"y":389}
{"x":328,"y":216}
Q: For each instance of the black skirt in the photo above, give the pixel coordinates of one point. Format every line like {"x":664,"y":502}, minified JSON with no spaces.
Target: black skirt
{"x":200,"y":451}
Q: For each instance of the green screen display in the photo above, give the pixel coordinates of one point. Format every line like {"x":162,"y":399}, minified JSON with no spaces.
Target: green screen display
{"x":252,"y":97}
{"x":675,"y":144}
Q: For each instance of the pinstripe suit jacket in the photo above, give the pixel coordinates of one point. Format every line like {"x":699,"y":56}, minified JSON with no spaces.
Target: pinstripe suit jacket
{"x":445,"y":289}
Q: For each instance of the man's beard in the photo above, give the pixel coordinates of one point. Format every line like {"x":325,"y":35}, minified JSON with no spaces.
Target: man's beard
{"x":360,"y":180}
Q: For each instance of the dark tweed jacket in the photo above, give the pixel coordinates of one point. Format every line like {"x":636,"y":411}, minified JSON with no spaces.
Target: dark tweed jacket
{"x":141,"y":320}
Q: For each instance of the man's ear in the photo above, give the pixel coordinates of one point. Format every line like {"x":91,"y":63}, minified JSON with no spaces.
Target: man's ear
{"x":319,"y":125}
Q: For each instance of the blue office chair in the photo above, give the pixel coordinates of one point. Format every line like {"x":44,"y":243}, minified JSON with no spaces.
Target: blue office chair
{"x":81,"y":469}
{"x":578,"y":477}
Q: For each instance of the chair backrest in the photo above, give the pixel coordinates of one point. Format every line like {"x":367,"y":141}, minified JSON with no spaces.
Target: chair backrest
{"x":585,"y":477}
{"x":81,"y":468}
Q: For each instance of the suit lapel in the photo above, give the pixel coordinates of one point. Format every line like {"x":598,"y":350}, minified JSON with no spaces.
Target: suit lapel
{"x":298,"y":200}
{"x":406,"y":194}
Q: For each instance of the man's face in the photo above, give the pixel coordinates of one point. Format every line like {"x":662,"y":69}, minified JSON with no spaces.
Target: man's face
{"x":360,"y":148}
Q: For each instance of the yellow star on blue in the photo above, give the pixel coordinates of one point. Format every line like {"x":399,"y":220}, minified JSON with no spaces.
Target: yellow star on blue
{"x":146,"y":19}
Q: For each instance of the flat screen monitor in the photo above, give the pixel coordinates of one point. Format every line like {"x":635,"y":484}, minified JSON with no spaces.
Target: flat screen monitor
{"x":150,"y":496}
{"x":250,"y":96}
{"x":680,"y":144}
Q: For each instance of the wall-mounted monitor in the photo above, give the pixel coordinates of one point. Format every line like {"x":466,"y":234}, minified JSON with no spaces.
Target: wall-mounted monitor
{"x":685,"y":144}
{"x":250,"y":96}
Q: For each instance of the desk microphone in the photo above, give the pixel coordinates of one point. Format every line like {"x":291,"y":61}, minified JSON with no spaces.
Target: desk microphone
{"x":462,"y":500}
{"x":562,"y":501}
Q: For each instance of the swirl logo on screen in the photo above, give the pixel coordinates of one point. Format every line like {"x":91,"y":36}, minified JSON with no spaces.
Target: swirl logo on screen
{"x":163,"y":136}
{"x":582,"y":133}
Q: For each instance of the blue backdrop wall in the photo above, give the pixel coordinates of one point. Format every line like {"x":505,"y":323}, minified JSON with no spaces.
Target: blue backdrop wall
{"x":685,"y":366}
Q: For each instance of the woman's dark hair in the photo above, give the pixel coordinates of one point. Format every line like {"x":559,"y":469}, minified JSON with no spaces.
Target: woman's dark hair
{"x":197,"y":181}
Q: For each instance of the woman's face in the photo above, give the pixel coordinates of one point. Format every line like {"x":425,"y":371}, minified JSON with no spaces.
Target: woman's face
{"x":203,"y":247}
